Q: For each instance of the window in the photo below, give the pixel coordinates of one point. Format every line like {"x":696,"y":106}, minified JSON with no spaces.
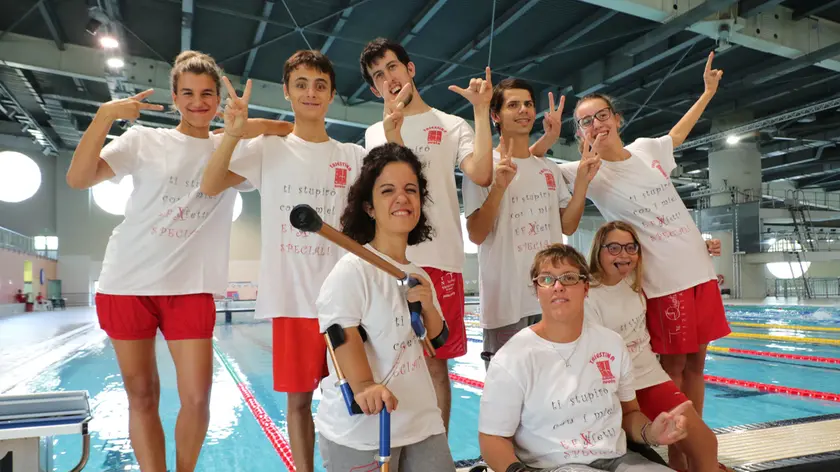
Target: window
{"x":20,"y":177}
{"x":113,"y":197}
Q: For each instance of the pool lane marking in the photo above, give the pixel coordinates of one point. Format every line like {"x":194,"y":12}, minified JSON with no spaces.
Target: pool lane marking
{"x":272,"y":432}
{"x":712,"y":379}
{"x":791,"y":339}
{"x":781,"y":326}
{"x":778,"y":355}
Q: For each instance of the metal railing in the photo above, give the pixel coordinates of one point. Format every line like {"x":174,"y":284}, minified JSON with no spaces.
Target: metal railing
{"x":816,"y":200}
{"x":17,"y":242}
{"x":823,"y":287}
{"x":787,"y":241}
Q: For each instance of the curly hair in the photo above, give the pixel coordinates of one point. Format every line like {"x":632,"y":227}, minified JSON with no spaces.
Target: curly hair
{"x":355,"y":221}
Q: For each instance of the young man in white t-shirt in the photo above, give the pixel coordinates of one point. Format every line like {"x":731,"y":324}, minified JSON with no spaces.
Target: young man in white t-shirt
{"x":560,"y":392}
{"x":526,"y":209}
{"x":305,"y":167}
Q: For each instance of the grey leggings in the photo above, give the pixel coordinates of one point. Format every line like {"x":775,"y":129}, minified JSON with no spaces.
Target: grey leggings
{"x":429,"y":455}
{"x":630,"y":462}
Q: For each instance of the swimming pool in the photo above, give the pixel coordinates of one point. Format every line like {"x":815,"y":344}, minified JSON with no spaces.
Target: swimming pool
{"x":242,"y":389}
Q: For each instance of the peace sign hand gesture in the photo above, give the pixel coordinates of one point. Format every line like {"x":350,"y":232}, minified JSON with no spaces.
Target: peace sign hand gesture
{"x":236,"y":109}
{"x":711,"y":77}
{"x":670,"y":426}
{"x":479,"y":92}
{"x":394,"y":104}
{"x":505,"y":169}
{"x":129,"y":108}
{"x":590,"y":162}
{"x":552,"y":120}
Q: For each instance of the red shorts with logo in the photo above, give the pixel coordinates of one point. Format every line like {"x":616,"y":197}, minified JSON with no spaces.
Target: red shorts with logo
{"x":134,"y":317}
{"x":299,"y":354}
{"x":681,"y":322}
{"x":660,"y":398}
{"x":449,"y":287}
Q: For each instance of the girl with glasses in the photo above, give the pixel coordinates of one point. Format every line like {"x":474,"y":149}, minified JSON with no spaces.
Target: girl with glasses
{"x":559,"y":395}
{"x":684,"y":307}
{"x":616,"y":301}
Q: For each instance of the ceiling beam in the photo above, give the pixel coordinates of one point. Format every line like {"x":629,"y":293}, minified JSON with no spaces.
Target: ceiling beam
{"x":800,"y":13}
{"x":268,"y":5}
{"x":50,"y":18}
{"x":338,"y":26}
{"x":186,"y":24}
{"x":751,"y":8}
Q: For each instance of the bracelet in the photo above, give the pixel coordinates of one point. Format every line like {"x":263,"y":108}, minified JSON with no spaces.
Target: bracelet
{"x":644,"y":436}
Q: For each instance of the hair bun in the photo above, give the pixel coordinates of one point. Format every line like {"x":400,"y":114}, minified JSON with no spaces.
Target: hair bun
{"x":187,"y":55}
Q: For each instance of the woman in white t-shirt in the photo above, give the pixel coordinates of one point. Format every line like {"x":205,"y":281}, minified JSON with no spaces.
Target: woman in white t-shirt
{"x":384,"y":212}
{"x":560,"y":393}
{"x":684,"y":307}
{"x":167,"y":258}
{"x":616,"y":301}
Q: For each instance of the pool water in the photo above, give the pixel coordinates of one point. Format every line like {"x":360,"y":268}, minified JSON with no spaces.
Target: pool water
{"x":237,"y":441}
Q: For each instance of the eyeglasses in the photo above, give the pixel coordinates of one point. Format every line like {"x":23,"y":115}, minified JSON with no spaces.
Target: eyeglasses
{"x":615,"y":248}
{"x":602,"y":115}
{"x":567,"y":280}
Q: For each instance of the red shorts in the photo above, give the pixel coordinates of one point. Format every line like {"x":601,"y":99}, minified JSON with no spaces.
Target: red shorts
{"x":134,"y":317}
{"x":681,"y":322}
{"x":449,"y":287}
{"x":299,"y":354}
{"x":660,"y":398}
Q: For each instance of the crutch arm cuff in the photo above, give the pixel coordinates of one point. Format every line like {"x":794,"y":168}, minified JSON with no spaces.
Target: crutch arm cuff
{"x":439,"y":340}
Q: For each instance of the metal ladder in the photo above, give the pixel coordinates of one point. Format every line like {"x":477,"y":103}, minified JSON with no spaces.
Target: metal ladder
{"x":803,"y":232}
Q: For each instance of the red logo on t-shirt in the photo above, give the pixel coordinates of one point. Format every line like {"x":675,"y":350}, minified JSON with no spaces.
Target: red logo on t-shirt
{"x":656,"y":165}
{"x":602,"y":361}
{"x":341,"y":169}
{"x":549,"y":179}
{"x":435,"y":134}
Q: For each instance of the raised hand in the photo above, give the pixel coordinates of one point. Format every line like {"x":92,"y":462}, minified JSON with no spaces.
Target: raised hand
{"x":505,"y":169}
{"x":373,"y":396}
{"x":713,"y":246}
{"x":129,"y":108}
{"x":552,"y":120}
{"x":670,"y":426}
{"x":479,"y":92}
{"x":394,"y":104}
{"x":236,"y":109}
{"x":711,"y":77}
{"x":590,"y":162}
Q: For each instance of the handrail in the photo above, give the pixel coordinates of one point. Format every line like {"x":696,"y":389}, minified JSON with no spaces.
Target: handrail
{"x":15,"y":241}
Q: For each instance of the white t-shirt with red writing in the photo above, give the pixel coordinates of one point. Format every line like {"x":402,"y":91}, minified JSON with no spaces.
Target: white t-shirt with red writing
{"x":528,"y":221}
{"x":441,"y":141}
{"x":358,"y":294}
{"x":639,"y":191}
{"x":174,"y":240}
{"x":622,"y":310}
{"x":559,"y":415}
{"x":289,"y":171}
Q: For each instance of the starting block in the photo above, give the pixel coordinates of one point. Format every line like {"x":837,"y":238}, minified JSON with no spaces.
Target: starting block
{"x":25,"y":419}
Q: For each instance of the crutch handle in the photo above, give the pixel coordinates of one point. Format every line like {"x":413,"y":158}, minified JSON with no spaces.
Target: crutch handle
{"x":384,"y":439}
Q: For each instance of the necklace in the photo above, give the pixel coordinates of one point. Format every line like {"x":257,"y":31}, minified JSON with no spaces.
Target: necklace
{"x":566,"y":359}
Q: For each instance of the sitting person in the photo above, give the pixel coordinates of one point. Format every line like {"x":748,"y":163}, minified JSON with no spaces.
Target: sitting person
{"x":385,"y":214}
{"x":617,"y":302}
{"x":559,"y":395}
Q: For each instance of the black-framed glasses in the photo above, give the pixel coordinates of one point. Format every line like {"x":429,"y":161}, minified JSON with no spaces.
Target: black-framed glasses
{"x":615,"y":248}
{"x":602,"y":115}
{"x":567,"y":280}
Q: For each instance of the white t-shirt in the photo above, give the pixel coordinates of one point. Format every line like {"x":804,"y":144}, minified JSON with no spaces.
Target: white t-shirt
{"x":174,"y":239}
{"x":622,"y":310}
{"x":528,"y":221}
{"x":559,"y":415}
{"x":357,"y":293}
{"x":639,"y":191}
{"x":442,"y":142}
{"x":289,"y":171}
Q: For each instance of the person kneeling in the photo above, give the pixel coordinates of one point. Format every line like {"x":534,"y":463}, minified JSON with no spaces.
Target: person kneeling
{"x":560,"y":393}
{"x":387,"y":370}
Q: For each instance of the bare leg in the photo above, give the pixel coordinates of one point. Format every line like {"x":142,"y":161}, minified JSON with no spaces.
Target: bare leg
{"x":301,"y":430}
{"x":194,"y":367}
{"x":439,"y":371}
{"x":674,"y":365}
{"x":694,"y":385}
{"x":142,"y":385}
{"x":700,"y":447}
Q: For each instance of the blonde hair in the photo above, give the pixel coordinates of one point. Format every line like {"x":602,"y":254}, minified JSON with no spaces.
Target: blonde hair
{"x":196,"y":63}
{"x":596,"y":96}
{"x":600,"y":238}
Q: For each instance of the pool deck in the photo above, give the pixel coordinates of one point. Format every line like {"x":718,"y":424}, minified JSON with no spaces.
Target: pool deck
{"x":31,"y":340}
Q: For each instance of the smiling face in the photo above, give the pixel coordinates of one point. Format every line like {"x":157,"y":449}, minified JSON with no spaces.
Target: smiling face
{"x":196,"y":98}
{"x":517,"y":112}
{"x":622,"y":263}
{"x":588,"y":118}
{"x":561,"y":303}
{"x":388,"y":73}
{"x":396,"y":199}
{"x":310,"y":93}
